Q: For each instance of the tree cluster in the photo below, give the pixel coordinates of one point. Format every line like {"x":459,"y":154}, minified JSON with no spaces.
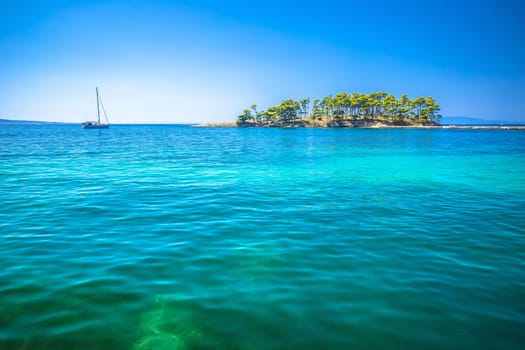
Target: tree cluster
{"x":344,"y":106}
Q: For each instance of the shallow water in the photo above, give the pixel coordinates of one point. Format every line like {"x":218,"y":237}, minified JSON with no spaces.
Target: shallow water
{"x":170,"y":237}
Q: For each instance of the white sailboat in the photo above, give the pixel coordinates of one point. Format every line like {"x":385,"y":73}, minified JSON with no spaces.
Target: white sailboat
{"x":97,"y":124}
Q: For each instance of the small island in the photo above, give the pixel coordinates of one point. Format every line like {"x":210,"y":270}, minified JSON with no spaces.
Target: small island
{"x":376,"y":109}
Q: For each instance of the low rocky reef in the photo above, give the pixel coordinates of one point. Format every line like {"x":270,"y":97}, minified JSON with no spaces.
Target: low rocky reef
{"x":216,"y":125}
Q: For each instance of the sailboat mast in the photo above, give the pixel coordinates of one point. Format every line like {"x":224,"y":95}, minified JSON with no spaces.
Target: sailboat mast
{"x":98,"y":108}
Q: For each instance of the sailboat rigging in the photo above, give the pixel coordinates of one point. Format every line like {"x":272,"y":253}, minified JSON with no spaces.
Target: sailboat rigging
{"x":97,"y":124}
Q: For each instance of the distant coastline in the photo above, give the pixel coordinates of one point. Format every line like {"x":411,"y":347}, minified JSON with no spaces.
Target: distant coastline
{"x":371,"y":124}
{"x":459,"y":120}
{"x":14,"y":121}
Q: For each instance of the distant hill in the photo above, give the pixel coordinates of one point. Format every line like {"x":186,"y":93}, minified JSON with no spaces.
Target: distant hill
{"x":14,"y":121}
{"x":476,"y":121}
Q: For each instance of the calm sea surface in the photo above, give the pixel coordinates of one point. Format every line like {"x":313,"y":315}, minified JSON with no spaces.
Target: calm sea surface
{"x":170,"y":237}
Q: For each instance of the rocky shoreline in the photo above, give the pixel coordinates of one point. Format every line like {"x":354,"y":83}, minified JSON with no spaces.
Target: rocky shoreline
{"x":360,"y":124}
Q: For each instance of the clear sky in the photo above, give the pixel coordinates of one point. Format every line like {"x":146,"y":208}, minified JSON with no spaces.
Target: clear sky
{"x":191,"y":61}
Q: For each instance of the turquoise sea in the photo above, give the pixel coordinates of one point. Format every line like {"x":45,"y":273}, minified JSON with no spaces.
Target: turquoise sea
{"x":172,"y":237}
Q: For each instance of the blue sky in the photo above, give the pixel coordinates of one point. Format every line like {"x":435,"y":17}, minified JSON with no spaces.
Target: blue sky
{"x":192,"y":61}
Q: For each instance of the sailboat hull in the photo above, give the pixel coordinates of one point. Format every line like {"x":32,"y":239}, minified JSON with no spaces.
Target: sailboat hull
{"x":94,"y":126}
